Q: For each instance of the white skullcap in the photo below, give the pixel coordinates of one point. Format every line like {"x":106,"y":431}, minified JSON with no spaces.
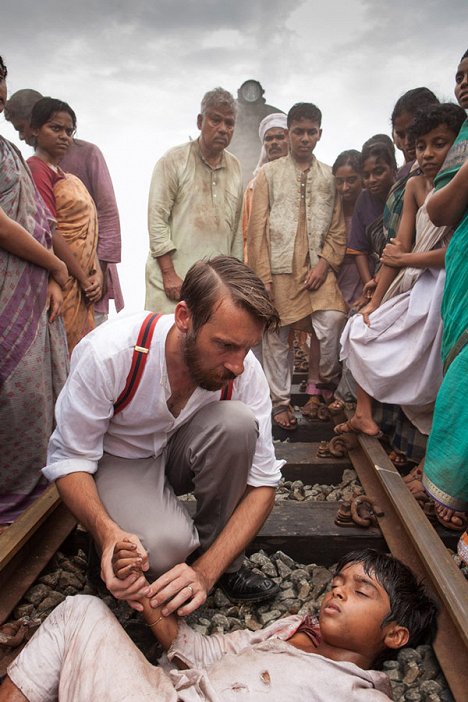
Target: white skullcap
{"x":277,"y":120}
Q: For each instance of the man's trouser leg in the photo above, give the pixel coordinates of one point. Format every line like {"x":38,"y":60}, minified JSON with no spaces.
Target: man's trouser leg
{"x":210,"y":455}
{"x":328,"y":325}
{"x":278,"y":358}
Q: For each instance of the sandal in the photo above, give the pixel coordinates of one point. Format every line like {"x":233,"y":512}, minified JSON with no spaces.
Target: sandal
{"x":398,"y":459}
{"x":336,"y":407}
{"x":284,"y":409}
{"x":462,"y":516}
{"x":347,"y":428}
{"x":311,"y":407}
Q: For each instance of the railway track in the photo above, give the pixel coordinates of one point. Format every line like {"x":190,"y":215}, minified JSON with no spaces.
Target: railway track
{"x":306,"y":531}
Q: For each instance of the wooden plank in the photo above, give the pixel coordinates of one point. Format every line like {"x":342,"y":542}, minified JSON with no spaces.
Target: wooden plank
{"x":303,"y":464}
{"x":306,"y":531}
{"x":27,"y":523}
{"x":307,"y":431}
{"x":28,"y":562}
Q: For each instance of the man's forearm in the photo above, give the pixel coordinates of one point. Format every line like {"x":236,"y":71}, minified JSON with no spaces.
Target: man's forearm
{"x":79,"y":492}
{"x":244,"y":524}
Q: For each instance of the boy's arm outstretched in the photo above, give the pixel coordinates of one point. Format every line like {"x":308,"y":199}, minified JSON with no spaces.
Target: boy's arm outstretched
{"x":127,"y":560}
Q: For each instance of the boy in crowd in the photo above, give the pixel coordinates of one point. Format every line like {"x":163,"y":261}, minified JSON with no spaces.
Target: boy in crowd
{"x":296,"y":243}
{"x":374,"y":606}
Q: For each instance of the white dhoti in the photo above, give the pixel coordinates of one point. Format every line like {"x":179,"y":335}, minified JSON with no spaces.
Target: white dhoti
{"x":397,"y":359}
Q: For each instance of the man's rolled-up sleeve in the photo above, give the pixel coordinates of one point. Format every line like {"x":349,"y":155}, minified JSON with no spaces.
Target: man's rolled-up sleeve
{"x":255,"y":393}
{"x":83,"y":411}
{"x":163,"y":191}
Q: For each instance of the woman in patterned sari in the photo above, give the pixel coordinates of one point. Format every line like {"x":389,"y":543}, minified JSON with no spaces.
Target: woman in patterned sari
{"x":446,"y":466}
{"x":33,"y":347}
{"x":53,"y":123}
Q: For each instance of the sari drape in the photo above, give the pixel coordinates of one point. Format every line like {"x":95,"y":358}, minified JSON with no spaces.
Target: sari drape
{"x":77,"y":222}
{"x":33,"y":352}
{"x":446,"y":465}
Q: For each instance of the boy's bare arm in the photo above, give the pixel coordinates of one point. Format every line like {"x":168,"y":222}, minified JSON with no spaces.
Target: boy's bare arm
{"x":127,"y":560}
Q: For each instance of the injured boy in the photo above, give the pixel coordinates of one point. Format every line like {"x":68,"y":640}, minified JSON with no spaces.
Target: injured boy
{"x":374,"y":607}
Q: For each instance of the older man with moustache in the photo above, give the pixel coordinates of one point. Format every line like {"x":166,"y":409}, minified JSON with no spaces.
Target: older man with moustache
{"x":195,"y":202}
{"x":273,"y":133}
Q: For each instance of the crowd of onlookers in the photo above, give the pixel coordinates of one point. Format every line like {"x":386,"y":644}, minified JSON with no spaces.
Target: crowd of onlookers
{"x":366,"y":260}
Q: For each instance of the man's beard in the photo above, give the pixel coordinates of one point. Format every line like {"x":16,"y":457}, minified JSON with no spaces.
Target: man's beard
{"x":207,"y":380}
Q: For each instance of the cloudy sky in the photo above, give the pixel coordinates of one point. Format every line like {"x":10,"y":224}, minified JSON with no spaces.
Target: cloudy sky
{"x":135,"y":72}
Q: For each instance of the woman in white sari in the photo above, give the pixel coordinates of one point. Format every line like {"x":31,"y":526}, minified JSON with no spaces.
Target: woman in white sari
{"x":393,"y":347}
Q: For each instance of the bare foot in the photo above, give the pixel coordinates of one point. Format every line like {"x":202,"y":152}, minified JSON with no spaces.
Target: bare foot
{"x":359,"y":425}
{"x":450,"y":518}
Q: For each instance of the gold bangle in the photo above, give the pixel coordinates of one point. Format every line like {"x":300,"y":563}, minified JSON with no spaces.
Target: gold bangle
{"x":156,"y":622}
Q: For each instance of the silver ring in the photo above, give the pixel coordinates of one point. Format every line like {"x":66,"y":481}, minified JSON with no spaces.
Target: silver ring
{"x":191,"y":589}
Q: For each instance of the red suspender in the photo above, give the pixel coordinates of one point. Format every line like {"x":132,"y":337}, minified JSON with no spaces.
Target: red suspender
{"x":140,"y":356}
{"x":226,"y":392}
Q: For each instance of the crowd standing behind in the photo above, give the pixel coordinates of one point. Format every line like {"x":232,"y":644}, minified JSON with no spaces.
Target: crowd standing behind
{"x":360,"y":240}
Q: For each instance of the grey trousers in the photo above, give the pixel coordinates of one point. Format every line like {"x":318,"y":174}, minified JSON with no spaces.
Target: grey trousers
{"x":211,"y":456}
{"x":278,"y":356}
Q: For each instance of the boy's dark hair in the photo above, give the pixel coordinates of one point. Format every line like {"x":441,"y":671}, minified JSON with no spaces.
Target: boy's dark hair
{"x":427,"y":119}
{"x":352,"y":158}
{"x":465,"y":55}
{"x":45,"y":108}
{"x":208,"y":281}
{"x":413,"y":100}
{"x":382,"y":139}
{"x":304,"y":110}
{"x":3,"y":69}
{"x":410,"y":605}
{"x":379,"y":150}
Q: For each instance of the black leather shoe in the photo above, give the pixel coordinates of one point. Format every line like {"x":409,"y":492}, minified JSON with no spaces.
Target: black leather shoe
{"x":245,"y":586}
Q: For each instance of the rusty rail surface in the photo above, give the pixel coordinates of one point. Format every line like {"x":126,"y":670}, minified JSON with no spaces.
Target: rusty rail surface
{"x":411,"y":538}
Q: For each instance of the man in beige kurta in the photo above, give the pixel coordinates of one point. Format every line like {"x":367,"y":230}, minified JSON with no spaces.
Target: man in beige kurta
{"x":296,"y":243}
{"x":195,"y":202}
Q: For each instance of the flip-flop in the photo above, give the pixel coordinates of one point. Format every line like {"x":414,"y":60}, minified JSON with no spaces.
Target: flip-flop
{"x":449,"y":525}
{"x":339,"y":429}
{"x":398,"y":459}
{"x":290,"y":412}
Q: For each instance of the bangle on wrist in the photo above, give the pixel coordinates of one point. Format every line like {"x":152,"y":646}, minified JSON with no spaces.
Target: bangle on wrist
{"x":155,"y":622}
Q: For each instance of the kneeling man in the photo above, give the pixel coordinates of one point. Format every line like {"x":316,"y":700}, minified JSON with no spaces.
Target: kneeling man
{"x":142,"y":419}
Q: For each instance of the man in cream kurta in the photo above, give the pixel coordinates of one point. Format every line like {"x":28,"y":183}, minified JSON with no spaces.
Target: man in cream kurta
{"x":296,"y":243}
{"x":195,"y":203}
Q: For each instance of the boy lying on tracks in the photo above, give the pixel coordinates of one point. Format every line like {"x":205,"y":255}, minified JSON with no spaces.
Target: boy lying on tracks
{"x":81,"y":652}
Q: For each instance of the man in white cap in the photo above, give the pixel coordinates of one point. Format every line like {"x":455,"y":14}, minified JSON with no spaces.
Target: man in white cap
{"x":273,"y":133}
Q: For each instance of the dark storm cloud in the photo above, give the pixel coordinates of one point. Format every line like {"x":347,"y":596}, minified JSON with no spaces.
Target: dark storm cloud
{"x":163,"y":16}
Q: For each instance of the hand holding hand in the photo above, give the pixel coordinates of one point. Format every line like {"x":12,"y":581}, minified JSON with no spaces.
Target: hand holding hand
{"x":393,"y":254}
{"x":93,"y":287}
{"x":182,"y":589}
{"x":123,"y":562}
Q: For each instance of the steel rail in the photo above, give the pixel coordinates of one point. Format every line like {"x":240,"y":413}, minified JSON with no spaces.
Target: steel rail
{"x":411,"y":538}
